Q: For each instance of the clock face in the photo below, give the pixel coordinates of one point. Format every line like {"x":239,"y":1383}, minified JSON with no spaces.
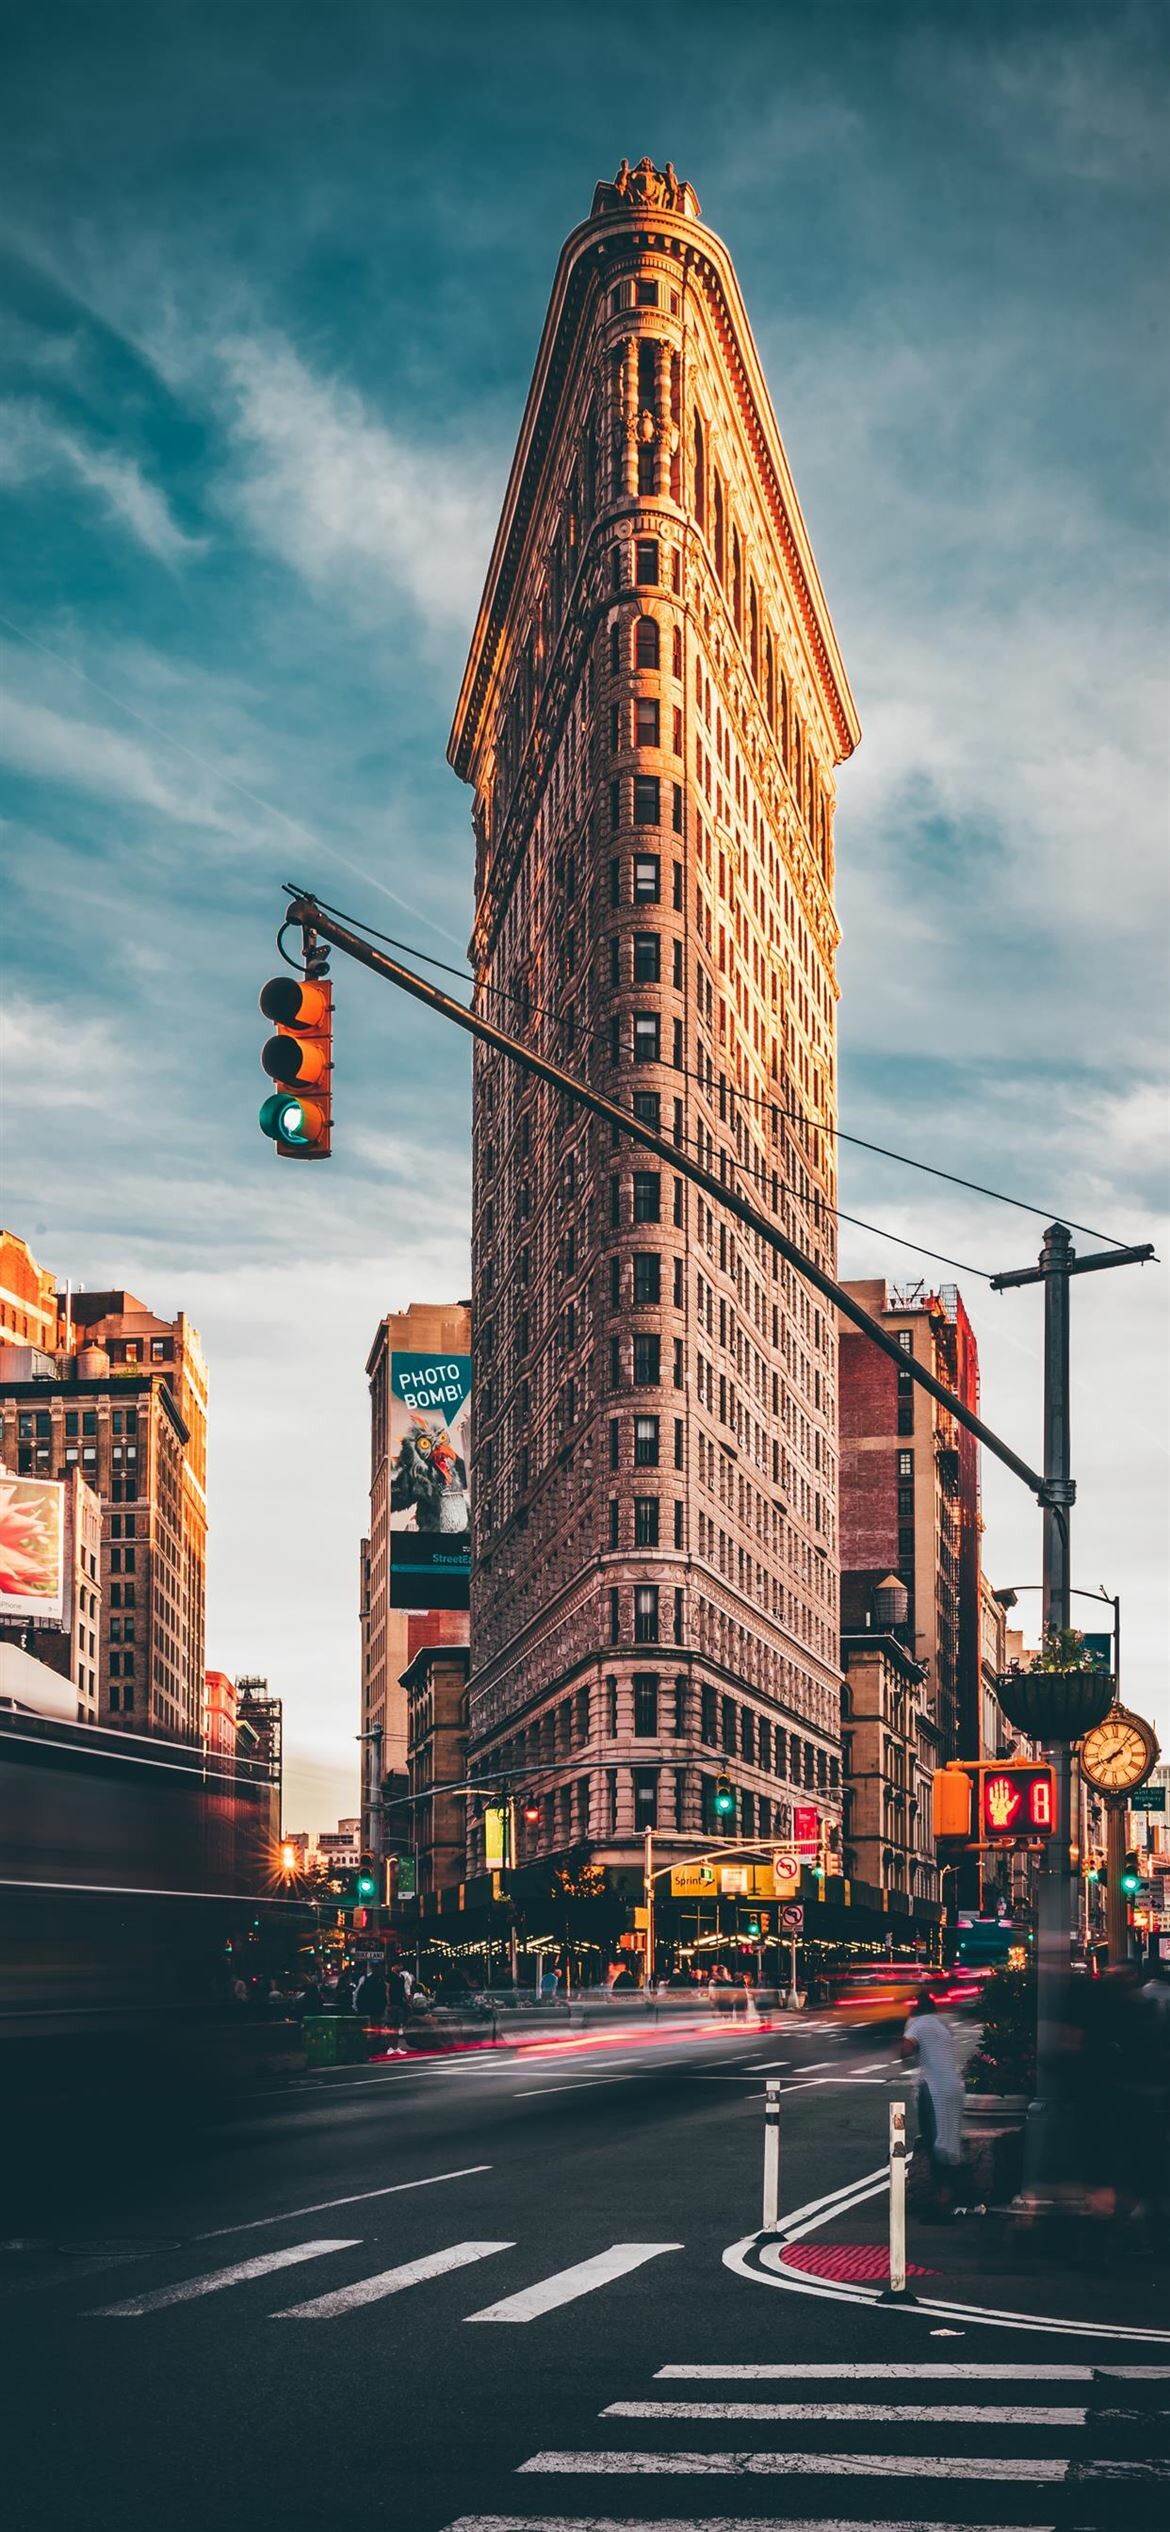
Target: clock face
{"x":1117,"y":1754}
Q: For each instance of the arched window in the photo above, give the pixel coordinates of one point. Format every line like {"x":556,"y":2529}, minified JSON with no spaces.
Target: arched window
{"x":736,"y":581}
{"x":646,"y":642}
{"x":677,"y":653}
{"x":754,"y":631}
{"x":700,"y":475}
{"x":720,"y":529}
{"x":769,"y":677}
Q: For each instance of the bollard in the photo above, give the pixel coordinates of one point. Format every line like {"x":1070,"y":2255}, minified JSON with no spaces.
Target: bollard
{"x":771,"y":2156}
{"x":897,"y":2285}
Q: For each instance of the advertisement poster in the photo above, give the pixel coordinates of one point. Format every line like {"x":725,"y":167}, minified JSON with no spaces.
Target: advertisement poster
{"x":32,"y":1549}
{"x":430,"y":1453}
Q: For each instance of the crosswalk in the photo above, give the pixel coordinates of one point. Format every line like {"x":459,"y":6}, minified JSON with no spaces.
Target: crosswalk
{"x":1085,"y":2445}
{"x":532,"y":2301}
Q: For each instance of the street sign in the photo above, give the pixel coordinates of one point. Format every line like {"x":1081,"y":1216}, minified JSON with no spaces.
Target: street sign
{"x":786,"y":1865}
{"x":1148,"y":1798}
{"x":792,"y":1920}
{"x":693,"y":1881}
{"x":806,"y":1826}
{"x":734,"y":1880}
{"x":405,"y":1877}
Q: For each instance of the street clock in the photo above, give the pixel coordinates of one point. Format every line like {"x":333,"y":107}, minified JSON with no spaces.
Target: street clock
{"x":1118,"y":1754}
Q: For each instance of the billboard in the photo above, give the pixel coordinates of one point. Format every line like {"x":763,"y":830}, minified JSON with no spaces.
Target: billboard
{"x":32,"y":1549}
{"x":430,"y":1509}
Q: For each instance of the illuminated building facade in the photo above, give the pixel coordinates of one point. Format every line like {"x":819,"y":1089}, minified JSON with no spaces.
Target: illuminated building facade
{"x":651,"y":715}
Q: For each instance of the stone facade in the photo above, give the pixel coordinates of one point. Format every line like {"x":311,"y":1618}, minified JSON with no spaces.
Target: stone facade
{"x":651,"y":715}
{"x":910,"y":1491}
{"x":889,"y":1748}
{"x":436,"y":1693}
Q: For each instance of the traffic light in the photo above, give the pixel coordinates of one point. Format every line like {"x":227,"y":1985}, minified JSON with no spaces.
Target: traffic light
{"x":532,"y":1814}
{"x":723,"y":1804}
{"x":366,"y":1880}
{"x":1131,"y":1879}
{"x":298,"y":1117}
{"x":752,"y":1929}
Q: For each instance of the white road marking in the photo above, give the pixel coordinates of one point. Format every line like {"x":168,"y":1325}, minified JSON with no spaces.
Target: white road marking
{"x":804,"y":2465}
{"x":393,"y":2189}
{"x":390,"y":2281}
{"x":848,"y":2412}
{"x":840,"y":2372}
{"x":217,"y":2278}
{"x":568,"y":2283}
{"x":698,"y":2523}
{"x":576,"y":2083}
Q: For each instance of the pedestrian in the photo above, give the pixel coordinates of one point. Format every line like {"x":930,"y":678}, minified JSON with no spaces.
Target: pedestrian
{"x":370,"y":1998}
{"x":398,"y":1990}
{"x":550,"y":1983}
{"x":940,"y":2096}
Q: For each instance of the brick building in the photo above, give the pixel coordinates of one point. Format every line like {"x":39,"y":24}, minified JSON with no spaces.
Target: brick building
{"x":387,"y":1646}
{"x":889,"y":1749}
{"x":122,"y":1399}
{"x":435,"y":1681}
{"x":28,"y":1297}
{"x":650,"y":718}
{"x":910,"y":1492}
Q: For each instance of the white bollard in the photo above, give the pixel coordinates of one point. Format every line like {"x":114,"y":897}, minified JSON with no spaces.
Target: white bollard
{"x":771,"y":2156}
{"x":897,"y":2284}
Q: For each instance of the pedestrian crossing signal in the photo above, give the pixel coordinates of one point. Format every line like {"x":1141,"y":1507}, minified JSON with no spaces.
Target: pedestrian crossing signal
{"x":298,"y":1116}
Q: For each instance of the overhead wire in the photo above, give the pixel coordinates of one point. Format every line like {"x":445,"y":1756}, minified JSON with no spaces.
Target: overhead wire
{"x":568,"y":1021}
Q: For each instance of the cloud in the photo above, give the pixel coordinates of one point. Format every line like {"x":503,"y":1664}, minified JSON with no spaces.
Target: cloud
{"x":33,"y":444}
{"x":52,"y":747}
{"x":347,"y":504}
{"x":51,"y":1059}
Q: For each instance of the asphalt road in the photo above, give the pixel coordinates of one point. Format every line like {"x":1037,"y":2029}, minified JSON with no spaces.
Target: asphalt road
{"x":490,"y":2292}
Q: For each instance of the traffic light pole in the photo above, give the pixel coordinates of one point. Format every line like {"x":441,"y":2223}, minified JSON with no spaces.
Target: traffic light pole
{"x":1057,"y":1892}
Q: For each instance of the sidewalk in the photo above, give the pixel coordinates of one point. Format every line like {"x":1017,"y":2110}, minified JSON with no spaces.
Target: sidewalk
{"x":1097,"y":2274}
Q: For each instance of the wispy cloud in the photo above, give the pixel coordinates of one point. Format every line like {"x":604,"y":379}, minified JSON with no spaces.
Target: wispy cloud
{"x":87,"y":756}
{"x":34,"y":444}
{"x":346,"y":503}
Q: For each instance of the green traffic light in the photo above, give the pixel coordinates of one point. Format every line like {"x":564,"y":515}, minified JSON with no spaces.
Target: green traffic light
{"x":283,"y":1119}
{"x":1131,"y":1883}
{"x":366,"y":1886}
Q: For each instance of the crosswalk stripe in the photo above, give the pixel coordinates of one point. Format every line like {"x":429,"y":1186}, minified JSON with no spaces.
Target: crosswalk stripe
{"x":840,"y":2372}
{"x":848,"y":2412}
{"x":749,"y":2465}
{"x":567,"y":2283}
{"x":390,"y":2281}
{"x":217,"y":2278}
{"x":700,"y":2523}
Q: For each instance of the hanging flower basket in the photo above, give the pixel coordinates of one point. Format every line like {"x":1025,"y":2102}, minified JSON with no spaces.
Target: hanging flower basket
{"x":1055,"y":1705}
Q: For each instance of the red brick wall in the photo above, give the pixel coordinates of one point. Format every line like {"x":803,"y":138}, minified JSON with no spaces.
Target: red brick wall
{"x":868,"y":1404}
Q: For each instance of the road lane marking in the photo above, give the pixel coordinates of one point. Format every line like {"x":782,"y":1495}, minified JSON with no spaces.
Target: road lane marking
{"x":576,"y":2083}
{"x":390,"y":2281}
{"x":849,"y":2412}
{"x":701,"y":2523}
{"x":393,"y":2189}
{"x":748,"y":2465}
{"x":568,"y":2283}
{"x":218,"y":2278}
{"x":836,"y":2371}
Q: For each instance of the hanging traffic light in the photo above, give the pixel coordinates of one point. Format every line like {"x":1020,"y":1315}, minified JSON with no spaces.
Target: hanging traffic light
{"x":298,"y":1117}
{"x":723,"y":1804}
{"x":366,"y":1882}
{"x":532,"y":1814}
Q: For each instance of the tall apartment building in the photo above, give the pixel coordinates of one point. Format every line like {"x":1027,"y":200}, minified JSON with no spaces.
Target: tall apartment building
{"x":650,"y":718}
{"x":28,"y":1297}
{"x":123,"y":1400}
{"x":910,"y":1493}
{"x":440,"y":1328}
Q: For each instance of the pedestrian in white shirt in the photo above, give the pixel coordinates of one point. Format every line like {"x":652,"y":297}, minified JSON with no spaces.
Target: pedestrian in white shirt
{"x":940,"y":2096}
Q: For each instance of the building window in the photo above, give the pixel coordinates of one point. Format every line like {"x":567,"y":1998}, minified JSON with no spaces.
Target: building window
{"x":646,"y":721}
{"x":615,"y":1618}
{"x":678,"y":1525}
{"x":645,"y":294}
{"x":647,"y":1196}
{"x":906,"y":1418}
{"x":646,"y":562}
{"x":647,"y":1278}
{"x":905,"y":1463}
{"x":614,"y":1516}
{"x":646,"y":1614}
{"x":615,"y":815}
{"x":646,"y":642}
{"x":648,"y":1108}
{"x":611,"y":1708}
{"x":647,"y":1360}
{"x":906,"y":1546}
{"x":676,"y":814}
{"x":647,"y":958}
{"x":614,"y":1443}
{"x":645,"y":1441}
{"x":645,"y":1704}
{"x":646,"y":1037}
{"x":645,"y":1520}
{"x":647,"y":879}
{"x":645,"y":1798}
{"x":647,"y":792}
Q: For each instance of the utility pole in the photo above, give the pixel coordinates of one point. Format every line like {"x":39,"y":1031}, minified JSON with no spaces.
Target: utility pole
{"x":649,"y":1887}
{"x":1057,"y":1891}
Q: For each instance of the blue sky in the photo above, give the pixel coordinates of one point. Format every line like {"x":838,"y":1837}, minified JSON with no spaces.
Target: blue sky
{"x":273,"y":278}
